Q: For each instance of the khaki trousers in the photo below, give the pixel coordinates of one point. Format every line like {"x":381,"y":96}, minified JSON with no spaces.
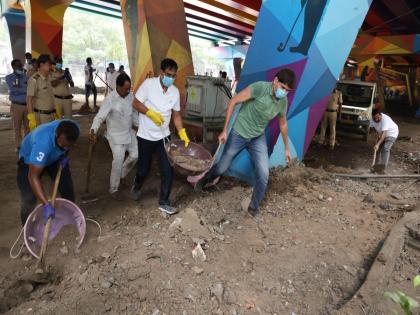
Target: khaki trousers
{"x":43,"y":118}
{"x":329,"y":119}
{"x":20,"y":121}
{"x":65,"y":107}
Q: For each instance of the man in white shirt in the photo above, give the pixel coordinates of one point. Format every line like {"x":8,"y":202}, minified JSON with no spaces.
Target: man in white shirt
{"x":120,"y":116}
{"x":90,"y":87}
{"x":157,"y":100}
{"x":111,"y":78}
{"x":387,"y":131}
{"x":28,"y":62}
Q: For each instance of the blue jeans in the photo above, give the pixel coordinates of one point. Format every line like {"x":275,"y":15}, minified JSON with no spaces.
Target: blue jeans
{"x":257,"y":148}
{"x":384,"y":151}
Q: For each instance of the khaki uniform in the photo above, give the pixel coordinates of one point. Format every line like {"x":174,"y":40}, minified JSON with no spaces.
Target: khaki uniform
{"x":62,"y":94}
{"x":31,"y":71}
{"x":19,"y":113}
{"x":330,"y":118}
{"x":40,"y":88}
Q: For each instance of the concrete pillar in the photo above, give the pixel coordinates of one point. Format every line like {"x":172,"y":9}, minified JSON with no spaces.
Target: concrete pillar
{"x":15,"y":19}
{"x":44,"y":26}
{"x":155,"y":30}
{"x":312,"y":38}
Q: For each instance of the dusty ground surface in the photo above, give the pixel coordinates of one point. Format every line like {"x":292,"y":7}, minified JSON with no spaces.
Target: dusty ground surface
{"x":310,"y":254}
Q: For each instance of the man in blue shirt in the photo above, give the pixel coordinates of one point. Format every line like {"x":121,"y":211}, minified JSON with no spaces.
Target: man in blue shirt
{"x":44,"y":150}
{"x":17,"y":85}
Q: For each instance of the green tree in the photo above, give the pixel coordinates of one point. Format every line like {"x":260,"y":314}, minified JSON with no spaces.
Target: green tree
{"x":93,"y":35}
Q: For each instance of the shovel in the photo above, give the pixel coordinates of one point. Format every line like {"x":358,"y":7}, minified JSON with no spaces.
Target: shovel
{"x":193,"y":180}
{"x":87,"y":197}
{"x":372,"y":168}
{"x":41,"y":262}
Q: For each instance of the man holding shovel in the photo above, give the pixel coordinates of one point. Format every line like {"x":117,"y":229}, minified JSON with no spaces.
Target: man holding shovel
{"x":261,"y":102}
{"x":90,"y":87}
{"x":111,"y":78}
{"x":120,"y":117}
{"x":44,"y":150}
{"x":387,"y":131}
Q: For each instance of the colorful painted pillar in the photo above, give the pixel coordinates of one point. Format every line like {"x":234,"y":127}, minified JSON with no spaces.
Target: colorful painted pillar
{"x":15,"y":19}
{"x":44,"y":26}
{"x":313,"y":38}
{"x":367,"y":48}
{"x":155,"y":30}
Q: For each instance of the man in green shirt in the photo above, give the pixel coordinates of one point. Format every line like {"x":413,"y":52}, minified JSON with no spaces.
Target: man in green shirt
{"x":261,"y":102}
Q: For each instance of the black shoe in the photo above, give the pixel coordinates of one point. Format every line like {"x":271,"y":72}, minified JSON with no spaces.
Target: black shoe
{"x":135,"y":192}
{"x":117,"y":195}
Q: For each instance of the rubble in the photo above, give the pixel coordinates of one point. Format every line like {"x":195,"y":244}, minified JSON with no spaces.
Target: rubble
{"x":198,"y":253}
{"x":307,"y":257}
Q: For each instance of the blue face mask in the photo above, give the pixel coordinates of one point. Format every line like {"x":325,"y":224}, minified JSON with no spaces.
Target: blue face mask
{"x":20,"y":72}
{"x":280,"y":93}
{"x":167,"y":81}
{"x":58,"y":66}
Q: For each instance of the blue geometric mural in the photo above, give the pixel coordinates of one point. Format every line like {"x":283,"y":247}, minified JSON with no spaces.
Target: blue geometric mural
{"x":314,"y":39}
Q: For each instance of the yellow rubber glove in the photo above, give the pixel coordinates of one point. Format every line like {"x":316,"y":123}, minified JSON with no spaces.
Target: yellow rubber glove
{"x":183,"y":136}
{"x":58,"y":113}
{"x":155,"y":116}
{"x":32,"y":121}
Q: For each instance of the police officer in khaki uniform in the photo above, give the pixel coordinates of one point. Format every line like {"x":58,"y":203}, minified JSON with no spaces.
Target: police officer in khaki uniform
{"x":40,"y":96}
{"x":330,"y":118}
{"x":61,"y":82}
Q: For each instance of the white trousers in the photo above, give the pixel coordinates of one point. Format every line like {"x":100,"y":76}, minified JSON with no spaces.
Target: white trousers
{"x":121,"y":168}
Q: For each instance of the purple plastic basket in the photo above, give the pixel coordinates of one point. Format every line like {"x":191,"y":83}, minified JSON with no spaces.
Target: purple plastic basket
{"x":66,"y":212}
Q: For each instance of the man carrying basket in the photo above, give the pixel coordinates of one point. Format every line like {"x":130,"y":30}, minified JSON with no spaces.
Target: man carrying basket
{"x":157,"y":100}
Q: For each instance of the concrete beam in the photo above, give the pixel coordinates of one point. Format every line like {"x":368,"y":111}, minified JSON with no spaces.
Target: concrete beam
{"x":366,"y":44}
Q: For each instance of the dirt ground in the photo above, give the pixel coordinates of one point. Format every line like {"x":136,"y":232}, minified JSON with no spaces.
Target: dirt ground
{"x":310,"y":254}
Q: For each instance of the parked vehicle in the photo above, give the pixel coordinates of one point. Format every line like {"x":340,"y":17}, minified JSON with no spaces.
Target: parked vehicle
{"x":358,"y":103}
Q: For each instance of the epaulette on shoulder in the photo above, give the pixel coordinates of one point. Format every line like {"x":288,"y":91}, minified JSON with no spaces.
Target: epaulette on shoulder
{"x":36,"y":76}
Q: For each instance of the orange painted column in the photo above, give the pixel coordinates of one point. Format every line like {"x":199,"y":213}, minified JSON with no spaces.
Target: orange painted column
{"x":44,"y":26}
{"x":155,"y":30}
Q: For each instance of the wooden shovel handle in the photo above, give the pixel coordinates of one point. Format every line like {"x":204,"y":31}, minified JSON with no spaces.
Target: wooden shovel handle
{"x":47,"y":228}
{"x":374,"y":158}
{"x":215,"y":155}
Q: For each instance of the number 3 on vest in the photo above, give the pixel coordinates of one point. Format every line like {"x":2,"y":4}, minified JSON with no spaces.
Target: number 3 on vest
{"x":40,"y":156}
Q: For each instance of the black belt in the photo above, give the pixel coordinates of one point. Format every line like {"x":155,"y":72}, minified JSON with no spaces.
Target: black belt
{"x":45,"y":112}
{"x":23,"y":104}
{"x":331,"y":110}
{"x":68,"y":97}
